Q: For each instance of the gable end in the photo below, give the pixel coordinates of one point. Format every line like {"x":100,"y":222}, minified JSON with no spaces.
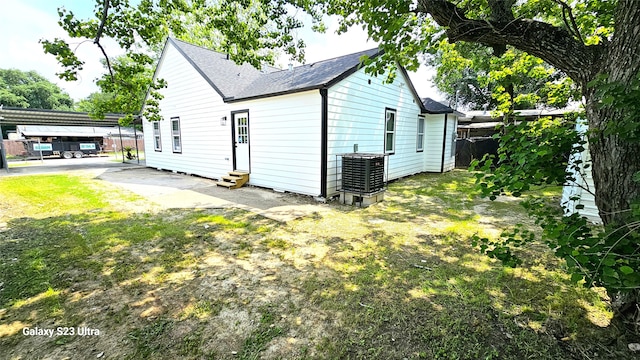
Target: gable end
{"x":170,"y":40}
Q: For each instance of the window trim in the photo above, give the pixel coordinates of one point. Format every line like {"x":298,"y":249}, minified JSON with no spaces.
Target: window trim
{"x":157,"y":134}
{"x":420,"y":142}
{"x":393,"y":132}
{"x":176,"y":119}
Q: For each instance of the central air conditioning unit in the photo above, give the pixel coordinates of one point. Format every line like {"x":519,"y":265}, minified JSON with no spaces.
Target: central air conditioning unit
{"x":362,"y":173}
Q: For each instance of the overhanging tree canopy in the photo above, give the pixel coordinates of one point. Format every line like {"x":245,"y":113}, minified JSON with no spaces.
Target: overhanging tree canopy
{"x":474,"y":78}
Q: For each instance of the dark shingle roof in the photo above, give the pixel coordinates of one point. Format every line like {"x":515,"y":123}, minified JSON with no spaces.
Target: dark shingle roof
{"x":239,"y":82}
{"x":305,"y":77}
{"x":434,"y":107}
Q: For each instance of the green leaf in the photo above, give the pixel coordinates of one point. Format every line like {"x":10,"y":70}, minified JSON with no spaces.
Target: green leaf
{"x":610,"y":272}
{"x":611,"y":281}
{"x":609,"y":261}
{"x":575,"y":277}
{"x":626,"y":270}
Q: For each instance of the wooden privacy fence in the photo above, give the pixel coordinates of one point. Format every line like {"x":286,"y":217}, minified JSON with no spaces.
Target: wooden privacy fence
{"x":474,"y":148}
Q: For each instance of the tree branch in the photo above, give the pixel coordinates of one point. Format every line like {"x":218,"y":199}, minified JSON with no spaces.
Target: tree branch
{"x":501,"y":12}
{"x":554,"y":45}
{"x":105,"y":12}
{"x":566,"y":9}
{"x":107,"y":60}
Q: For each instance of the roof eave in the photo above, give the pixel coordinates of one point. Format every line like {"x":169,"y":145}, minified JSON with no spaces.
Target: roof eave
{"x":350,"y":71}
{"x":454,"y":112}
{"x":155,"y":75}
{"x":232,"y":99}
{"x":414,"y":92}
{"x":409,"y":83}
{"x":444,"y":109}
{"x":425,"y":111}
{"x":340,"y":77}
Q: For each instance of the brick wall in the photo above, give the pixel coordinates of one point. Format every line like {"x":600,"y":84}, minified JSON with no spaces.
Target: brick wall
{"x":108,"y":144}
{"x":14,"y":147}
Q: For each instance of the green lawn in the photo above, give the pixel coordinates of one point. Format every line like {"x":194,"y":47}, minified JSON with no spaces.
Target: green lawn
{"x":393,"y":281}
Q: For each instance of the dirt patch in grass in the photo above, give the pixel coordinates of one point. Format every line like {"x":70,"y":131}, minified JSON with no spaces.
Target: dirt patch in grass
{"x":396,"y":280}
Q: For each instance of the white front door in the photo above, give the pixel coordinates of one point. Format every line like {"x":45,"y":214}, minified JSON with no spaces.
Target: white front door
{"x":241,"y":141}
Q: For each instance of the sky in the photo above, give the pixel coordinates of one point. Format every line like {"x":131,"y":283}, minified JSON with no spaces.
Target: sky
{"x":23,"y":23}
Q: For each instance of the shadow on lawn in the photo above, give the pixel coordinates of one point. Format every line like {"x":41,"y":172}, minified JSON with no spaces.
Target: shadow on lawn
{"x":134,"y":277}
{"x":409,"y":302}
{"x":231,"y":285}
{"x":449,"y":198}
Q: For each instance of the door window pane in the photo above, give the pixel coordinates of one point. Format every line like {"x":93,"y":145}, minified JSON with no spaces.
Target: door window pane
{"x":243,"y":130}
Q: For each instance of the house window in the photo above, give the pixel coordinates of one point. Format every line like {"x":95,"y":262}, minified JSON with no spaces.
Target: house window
{"x":390,"y":131}
{"x":420,"y":136}
{"x":175,"y":135}
{"x":157,"y":143}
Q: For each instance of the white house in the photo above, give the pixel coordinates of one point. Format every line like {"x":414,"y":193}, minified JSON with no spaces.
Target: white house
{"x":578,"y":196}
{"x":285,"y":127}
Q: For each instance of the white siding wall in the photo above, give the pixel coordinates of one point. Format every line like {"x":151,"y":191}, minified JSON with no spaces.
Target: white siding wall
{"x":356,"y":115}
{"x":433,"y":142}
{"x":285,"y":131}
{"x":583,"y":179}
{"x":206,"y":145}
{"x":284,"y":139}
{"x":449,"y":142}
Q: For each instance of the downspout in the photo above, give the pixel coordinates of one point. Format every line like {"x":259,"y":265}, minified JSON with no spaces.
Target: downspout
{"x":324,"y":131}
{"x":444,"y":143}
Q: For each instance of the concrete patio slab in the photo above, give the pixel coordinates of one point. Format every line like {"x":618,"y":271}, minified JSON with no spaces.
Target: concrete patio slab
{"x":179,"y":191}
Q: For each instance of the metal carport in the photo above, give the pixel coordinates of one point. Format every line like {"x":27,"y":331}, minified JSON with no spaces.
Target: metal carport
{"x":10,"y":117}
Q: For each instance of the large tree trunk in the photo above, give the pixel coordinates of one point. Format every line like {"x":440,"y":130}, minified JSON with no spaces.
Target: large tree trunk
{"x":615,"y":159}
